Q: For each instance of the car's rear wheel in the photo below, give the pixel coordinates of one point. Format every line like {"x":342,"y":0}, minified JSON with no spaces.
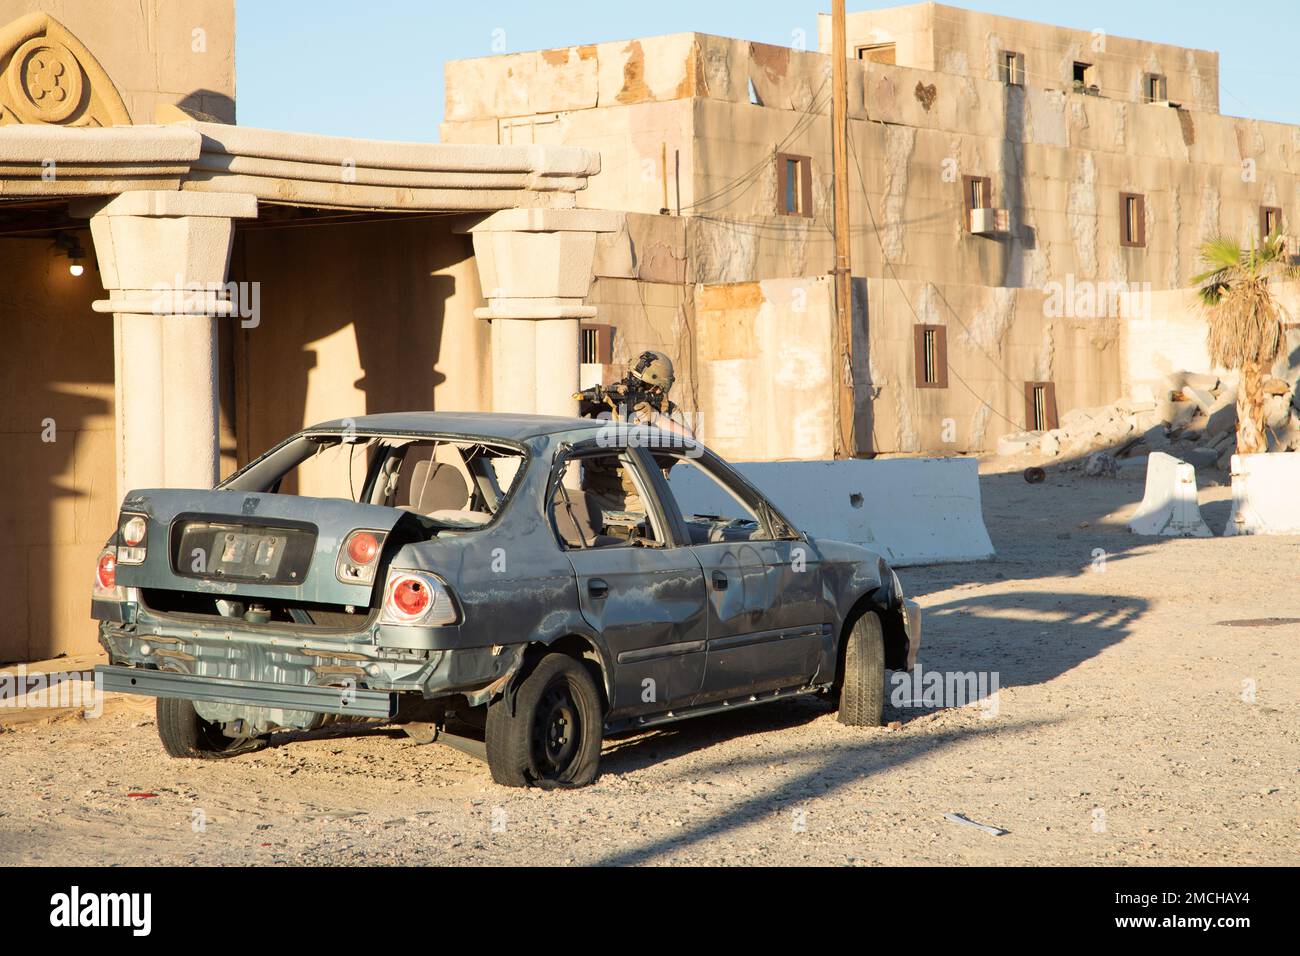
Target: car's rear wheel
{"x":185,"y":734}
{"x":862,"y":677}
{"x":552,"y":737}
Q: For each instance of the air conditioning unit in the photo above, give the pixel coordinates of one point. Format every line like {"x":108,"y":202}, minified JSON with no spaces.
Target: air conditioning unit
{"x":989,"y":222}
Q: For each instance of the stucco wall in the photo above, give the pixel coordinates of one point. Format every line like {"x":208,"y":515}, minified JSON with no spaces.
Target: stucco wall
{"x":56,"y":420}
{"x":356,"y":319}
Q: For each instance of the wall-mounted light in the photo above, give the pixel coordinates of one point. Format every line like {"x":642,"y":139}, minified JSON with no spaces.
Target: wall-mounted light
{"x":70,"y":246}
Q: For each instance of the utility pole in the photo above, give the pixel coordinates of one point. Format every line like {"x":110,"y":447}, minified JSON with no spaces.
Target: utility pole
{"x":845,"y":444}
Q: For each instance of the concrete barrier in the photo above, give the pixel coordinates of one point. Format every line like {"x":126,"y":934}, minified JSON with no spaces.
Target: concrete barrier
{"x":1265,"y":494}
{"x":1169,"y":504}
{"x":909,"y":510}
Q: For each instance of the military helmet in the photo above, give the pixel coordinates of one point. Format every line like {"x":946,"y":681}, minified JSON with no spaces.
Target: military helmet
{"x":654,"y":369}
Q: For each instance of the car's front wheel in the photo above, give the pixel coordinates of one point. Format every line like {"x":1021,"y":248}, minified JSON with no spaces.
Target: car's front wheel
{"x":862,"y":674}
{"x":185,"y":734}
{"x":551,"y":737}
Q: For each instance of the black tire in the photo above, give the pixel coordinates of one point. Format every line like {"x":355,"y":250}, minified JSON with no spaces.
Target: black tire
{"x":185,"y":734}
{"x":862,"y":679}
{"x":553,"y":738}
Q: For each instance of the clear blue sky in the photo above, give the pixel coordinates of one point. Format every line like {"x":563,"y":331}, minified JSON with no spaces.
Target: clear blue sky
{"x":374,"y":69}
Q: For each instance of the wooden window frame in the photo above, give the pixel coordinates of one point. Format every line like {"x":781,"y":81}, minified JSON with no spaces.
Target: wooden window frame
{"x":804,"y":166}
{"x":1012,"y":68}
{"x":940,"y":355}
{"x":967,"y":189}
{"x":1140,"y":240}
{"x":863,"y":51}
{"x":604,"y":342}
{"x":1050,"y":419}
{"x":1147,"y":96}
{"x":1264,"y":212}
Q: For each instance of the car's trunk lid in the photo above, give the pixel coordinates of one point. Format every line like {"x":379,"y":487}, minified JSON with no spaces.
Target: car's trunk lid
{"x":249,"y":544}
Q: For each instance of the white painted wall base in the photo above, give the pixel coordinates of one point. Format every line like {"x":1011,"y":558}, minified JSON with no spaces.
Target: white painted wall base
{"x":909,"y":510}
{"x":1169,"y":504}
{"x":1265,"y":494}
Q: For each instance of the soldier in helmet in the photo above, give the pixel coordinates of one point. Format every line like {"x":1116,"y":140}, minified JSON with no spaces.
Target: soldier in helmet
{"x":640,"y":398}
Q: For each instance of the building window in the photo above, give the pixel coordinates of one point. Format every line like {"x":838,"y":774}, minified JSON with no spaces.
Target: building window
{"x":596,"y":345}
{"x":1040,"y":406}
{"x":1154,"y":88}
{"x":876,"y":53}
{"x":931,"y":353}
{"x":1270,"y":221}
{"x":1083,"y":78}
{"x":794,"y":185}
{"x":1132,"y":219}
{"x":1013,"y":68}
{"x":978,"y":194}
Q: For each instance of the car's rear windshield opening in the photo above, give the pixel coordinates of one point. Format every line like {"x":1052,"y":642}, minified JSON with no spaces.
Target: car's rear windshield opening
{"x":453,"y":482}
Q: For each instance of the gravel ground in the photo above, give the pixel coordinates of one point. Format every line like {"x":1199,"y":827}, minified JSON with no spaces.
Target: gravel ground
{"x":1132,"y":725}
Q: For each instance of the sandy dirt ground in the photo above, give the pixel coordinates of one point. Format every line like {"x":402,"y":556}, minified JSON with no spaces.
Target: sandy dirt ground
{"x":1133,"y":724}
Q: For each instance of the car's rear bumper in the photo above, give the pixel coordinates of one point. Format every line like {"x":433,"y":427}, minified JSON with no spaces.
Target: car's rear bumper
{"x":351,"y":701}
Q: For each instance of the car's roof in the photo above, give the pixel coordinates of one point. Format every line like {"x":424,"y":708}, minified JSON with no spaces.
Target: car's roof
{"x":511,"y":427}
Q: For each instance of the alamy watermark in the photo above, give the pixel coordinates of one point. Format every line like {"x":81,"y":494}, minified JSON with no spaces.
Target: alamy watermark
{"x":1088,"y":299}
{"x":241,"y":300}
{"x":936,"y":689}
{"x":84,"y":689}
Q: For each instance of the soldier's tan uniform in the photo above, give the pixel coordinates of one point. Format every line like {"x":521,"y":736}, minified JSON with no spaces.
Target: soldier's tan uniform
{"x":609,"y":487}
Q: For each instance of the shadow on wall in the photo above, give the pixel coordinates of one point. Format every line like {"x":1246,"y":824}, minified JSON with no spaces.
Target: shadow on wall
{"x":353,"y":320}
{"x":58,"y":491}
{"x":209,"y":106}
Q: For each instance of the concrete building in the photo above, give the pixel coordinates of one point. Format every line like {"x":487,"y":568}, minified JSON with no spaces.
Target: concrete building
{"x":178,"y":292}
{"x":1027,"y":205}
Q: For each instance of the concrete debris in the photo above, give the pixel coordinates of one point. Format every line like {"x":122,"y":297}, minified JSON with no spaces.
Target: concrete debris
{"x":1195,"y":420}
{"x":1181,"y":381}
{"x":1018,"y":442}
{"x":1100,"y":464}
{"x":1202,"y":398}
{"x":1222,"y":418}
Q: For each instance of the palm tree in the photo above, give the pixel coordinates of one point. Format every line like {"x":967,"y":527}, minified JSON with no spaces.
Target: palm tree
{"x":1245,"y":331}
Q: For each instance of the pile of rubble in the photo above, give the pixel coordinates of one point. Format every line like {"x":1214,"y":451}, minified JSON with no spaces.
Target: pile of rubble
{"x":1195,"y":420}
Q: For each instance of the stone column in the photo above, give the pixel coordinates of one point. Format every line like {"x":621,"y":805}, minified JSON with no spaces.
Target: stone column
{"x":163,"y":258}
{"x":535,"y":266}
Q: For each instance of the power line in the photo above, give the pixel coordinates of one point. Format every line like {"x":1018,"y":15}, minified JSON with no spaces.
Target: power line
{"x":857,"y":162}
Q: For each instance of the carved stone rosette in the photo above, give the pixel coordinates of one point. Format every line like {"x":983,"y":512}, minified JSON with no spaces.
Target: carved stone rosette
{"x":48,"y":76}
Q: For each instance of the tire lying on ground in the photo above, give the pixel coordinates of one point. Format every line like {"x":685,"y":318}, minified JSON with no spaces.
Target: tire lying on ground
{"x":185,"y":734}
{"x":862,"y":677}
{"x":552,"y":739}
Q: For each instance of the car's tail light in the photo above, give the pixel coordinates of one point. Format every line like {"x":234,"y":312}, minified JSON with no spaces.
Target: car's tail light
{"x":359,"y":557}
{"x":132,"y":536}
{"x":105,"y":588}
{"x":417,"y":598}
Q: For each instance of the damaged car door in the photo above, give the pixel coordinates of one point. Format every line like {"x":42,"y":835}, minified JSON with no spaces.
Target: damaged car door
{"x":768,"y":624}
{"x":644,"y":597}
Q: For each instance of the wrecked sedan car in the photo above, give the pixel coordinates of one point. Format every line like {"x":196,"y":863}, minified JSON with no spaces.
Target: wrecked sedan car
{"x":458,"y":575}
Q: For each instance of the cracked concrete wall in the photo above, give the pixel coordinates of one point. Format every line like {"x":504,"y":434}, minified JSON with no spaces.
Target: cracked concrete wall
{"x":998,"y":339}
{"x":764,"y":365}
{"x":932,"y":36}
{"x":1057,"y":160}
